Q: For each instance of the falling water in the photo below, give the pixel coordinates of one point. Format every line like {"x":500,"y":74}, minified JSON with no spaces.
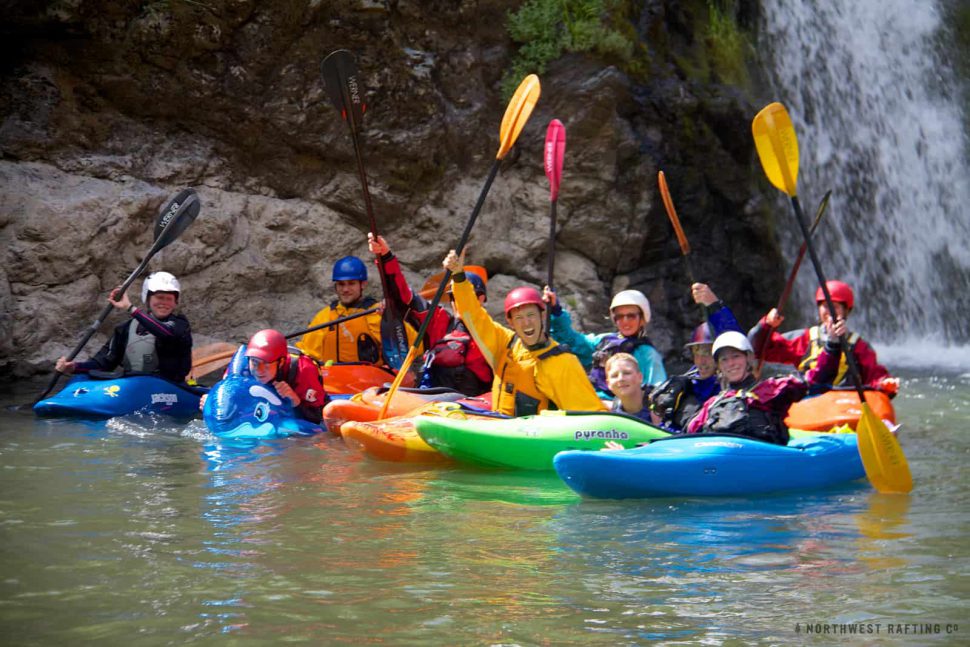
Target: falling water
{"x":873,"y":99}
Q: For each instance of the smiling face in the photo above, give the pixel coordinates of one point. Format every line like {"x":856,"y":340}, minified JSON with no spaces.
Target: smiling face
{"x":628,"y":320}
{"x":823,"y":311}
{"x":349,"y":292}
{"x":526,"y":321}
{"x":733,"y":364}
{"x":701,"y":354}
{"x":162,"y":304}
{"x":624,"y":377}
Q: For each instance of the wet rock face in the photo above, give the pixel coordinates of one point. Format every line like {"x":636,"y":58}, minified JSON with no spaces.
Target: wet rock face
{"x":107,"y":108}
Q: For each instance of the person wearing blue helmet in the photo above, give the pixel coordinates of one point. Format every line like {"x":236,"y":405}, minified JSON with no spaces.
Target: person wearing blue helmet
{"x":357,"y":340}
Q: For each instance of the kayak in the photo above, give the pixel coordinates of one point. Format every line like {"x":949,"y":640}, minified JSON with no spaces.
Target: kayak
{"x":353,"y":377}
{"x":837,"y":407}
{"x":397,"y":439}
{"x":530,"y":442}
{"x":712,"y":465}
{"x":366,"y":405}
{"x":91,"y":396}
{"x":240,"y":406}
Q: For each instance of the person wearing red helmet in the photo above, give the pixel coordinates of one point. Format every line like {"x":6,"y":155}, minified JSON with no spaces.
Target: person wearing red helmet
{"x":453,"y":359}
{"x":296,"y":378}
{"x":818,"y":346}
{"x":357,"y":340}
{"x":155,"y":339}
{"x":532,"y":372}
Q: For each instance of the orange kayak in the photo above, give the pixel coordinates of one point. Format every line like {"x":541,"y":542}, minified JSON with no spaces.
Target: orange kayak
{"x":397,"y":439}
{"x":366,"y":405}
{"x":354,"y":377}
{"x":837,"y":407}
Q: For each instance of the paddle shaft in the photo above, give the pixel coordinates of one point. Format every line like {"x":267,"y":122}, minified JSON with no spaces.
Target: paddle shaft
{"x":786,"y":293}
{"x":334,"y":322}
{"x":440,"y":291}
{"x":551,"y":269}
{"x":849,"y":356}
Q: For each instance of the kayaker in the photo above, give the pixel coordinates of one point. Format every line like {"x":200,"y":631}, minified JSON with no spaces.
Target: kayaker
{"x":357,"y":340}
{"x":296,"y":378}
{"x":680,"y":397}
{"x":801,"y":348}
{"x":630,"y":312}
{"x":155,"y":340}
{"x":745,"y":406}
{"x":532,"y":372}
{"x":454,"y":360}
{"x":624,"y":378}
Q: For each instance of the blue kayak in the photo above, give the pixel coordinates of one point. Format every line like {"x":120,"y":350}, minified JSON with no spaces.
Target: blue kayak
{"x":85,"y":396}
{"x":711,"y":465}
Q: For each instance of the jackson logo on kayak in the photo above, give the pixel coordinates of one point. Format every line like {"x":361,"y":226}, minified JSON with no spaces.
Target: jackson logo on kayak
{"x":599,"y":434}
{"x":112,"y":391}
{"x":164,"y":398}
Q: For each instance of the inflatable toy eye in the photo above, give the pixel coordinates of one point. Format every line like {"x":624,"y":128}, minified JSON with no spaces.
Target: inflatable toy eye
{"x":262,"y":412}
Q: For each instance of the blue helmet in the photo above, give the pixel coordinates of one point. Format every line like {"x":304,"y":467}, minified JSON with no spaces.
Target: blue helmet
{"x":476,"y":282}
{"x":349,"y":268}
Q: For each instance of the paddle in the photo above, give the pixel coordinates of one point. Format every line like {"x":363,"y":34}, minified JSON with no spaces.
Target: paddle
{"x":681,"y":240}
{"x":343,"y":85}
{"x":777,"y":146}
{"x":554,"y":155}
{"x":516,"y":115}
{"x":212,"y":357}
{"x":786,"y":293}
{"x":428,"y":289}
{"x":177,"y":214}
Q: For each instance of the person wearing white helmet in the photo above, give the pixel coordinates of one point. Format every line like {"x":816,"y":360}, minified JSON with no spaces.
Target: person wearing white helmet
{"x":154,"y":340}
{"x":745,"y":406}
{"x":630,"y":312}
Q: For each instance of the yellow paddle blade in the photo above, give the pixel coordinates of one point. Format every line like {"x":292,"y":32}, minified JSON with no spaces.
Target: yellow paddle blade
{"x":777,"y":145}
{"x":395,"y":385}
{"x":517,"y":113}
{"x":882,"y":457}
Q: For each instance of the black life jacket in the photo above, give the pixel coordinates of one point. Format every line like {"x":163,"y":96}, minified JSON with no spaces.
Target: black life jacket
{"x":730,"y":414}
{"x":609,"y":346}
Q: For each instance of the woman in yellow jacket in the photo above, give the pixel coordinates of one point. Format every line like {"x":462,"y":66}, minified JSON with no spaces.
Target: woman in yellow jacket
{"x":532,"y":372}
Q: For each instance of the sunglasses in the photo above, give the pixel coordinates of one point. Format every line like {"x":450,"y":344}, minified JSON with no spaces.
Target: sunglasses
{"x":625,"y":315}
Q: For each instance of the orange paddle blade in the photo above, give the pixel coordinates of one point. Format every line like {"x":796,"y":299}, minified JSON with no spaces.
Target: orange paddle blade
{"x":672,"y":213}
{"x":517,"y":113}
{"x":431,"y":285}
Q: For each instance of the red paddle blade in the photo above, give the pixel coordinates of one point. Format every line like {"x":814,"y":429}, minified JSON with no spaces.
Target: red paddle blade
{"x":555,"y":152}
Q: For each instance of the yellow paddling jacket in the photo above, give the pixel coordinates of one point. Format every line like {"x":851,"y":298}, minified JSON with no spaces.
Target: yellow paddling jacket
{"x":526,"y":381}
{"x":357,"y":340}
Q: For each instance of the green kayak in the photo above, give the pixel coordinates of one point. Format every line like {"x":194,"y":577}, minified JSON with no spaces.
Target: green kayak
{"x":530,"y":442}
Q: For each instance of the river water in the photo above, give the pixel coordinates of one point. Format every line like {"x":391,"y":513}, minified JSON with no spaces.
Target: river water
{"x":141,"y":531}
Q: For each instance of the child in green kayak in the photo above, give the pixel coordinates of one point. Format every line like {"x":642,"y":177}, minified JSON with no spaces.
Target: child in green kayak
{"x":625,"y":380}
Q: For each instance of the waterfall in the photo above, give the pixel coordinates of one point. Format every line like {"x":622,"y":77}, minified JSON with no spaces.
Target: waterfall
{"x":878,"y":116}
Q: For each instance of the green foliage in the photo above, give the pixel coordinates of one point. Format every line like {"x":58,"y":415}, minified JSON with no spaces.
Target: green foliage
{"x":726,"y":43}
{"x":548,"y":28}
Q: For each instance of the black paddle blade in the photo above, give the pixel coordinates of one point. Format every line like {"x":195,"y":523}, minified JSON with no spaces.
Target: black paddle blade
{"x":343,"y":85}
{"x":174,"y":216}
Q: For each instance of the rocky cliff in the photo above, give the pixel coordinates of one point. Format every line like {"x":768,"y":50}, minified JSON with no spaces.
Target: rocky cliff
{"x":108,"y":108}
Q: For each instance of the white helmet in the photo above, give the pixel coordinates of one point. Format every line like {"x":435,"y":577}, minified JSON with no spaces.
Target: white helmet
{"x":633,"y":298}
{"x":159,"y":282}
{"x":732,"y":339}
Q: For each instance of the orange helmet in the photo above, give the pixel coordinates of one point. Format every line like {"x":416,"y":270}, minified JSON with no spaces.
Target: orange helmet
{"x":267,"y":345}
{"x":523,"y":296}
{"x":841,"y":293}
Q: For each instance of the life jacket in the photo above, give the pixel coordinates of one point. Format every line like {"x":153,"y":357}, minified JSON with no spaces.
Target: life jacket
{"x":292,"y":372}
{"x":815,"y":347}
{"x":140,"y":355}
{"x":527,"y":400}
{"x":608,"y":346}
{"x":446,"y":364}
{"x":730,"y":413}
{"x":356,"y":333}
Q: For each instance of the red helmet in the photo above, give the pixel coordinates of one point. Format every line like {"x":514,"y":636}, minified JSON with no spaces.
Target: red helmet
{"x":841,"y":293}
{"x":701,"y":335}
{"x":523,"y":296}
{"x":268,"y":345}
